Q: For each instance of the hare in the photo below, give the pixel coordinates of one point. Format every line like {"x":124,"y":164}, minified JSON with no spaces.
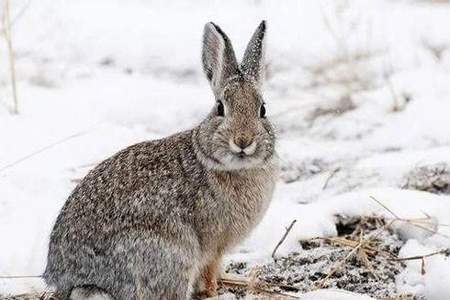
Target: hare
{"x":154,"y":220}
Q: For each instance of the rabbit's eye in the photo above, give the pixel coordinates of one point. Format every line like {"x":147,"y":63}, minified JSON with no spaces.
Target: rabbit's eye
{"x":262,"y":111}
{"x":220,"y":109}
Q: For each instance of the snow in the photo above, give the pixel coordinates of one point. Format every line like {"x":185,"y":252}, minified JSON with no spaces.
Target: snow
{"x":434,"y":282}
{"x":97,"y":76}
{"x":334,"y":295}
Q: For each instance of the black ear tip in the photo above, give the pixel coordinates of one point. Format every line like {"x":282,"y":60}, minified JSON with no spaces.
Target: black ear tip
{"x":263,"y":25}
{"x":216,"y":27}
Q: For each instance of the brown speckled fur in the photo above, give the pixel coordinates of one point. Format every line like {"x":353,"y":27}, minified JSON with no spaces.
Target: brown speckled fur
{"x":154,"y":220}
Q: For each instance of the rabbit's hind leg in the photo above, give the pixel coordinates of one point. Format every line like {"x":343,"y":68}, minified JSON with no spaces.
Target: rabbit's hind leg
{"x":159,"y":269}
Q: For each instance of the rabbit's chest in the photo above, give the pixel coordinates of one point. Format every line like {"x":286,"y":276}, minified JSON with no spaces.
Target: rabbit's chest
{"x":245,"y":198}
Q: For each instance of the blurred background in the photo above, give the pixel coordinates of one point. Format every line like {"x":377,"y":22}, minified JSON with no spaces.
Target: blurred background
{"x":359,"y":92}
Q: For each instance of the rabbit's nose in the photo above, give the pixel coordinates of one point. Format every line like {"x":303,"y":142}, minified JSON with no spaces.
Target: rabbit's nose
{"x":243,"y":145}
{"x":243,"y":141}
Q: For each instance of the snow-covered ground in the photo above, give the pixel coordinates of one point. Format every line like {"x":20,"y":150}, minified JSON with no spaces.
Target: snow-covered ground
{"x":359,"y":92}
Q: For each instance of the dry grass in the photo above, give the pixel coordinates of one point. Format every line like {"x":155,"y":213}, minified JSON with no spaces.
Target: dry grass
{"x":6,"y":33}
{"x":255,"y":286}
{"x":365,"y":246}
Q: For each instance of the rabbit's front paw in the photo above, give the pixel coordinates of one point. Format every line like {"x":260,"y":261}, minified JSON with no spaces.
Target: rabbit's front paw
{"x":207,"y":281}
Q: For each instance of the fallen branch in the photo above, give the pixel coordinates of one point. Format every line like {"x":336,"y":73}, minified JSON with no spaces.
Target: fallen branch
{"x":258,"y":288}
{"x":288,"y":229}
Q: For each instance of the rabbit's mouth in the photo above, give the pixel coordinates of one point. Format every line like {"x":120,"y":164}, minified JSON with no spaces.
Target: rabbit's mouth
{"x":234,"y":159}
{"x":242,"y":151}
{"x":242,"y":158}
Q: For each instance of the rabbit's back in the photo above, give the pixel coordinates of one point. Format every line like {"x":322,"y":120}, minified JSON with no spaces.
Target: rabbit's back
{"x":133,"y":186}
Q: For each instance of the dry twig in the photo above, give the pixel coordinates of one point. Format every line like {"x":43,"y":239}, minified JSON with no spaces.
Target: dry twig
{"x":417,"y":222}
{"x":325,"y":185}
{"x":288,"y":229}
{"x":442,"y":251}
{"x":3,"y":168}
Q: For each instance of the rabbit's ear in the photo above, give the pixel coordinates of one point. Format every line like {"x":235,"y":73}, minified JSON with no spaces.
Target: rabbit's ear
{"x":253,"y":63}
{"x":218,"y":58}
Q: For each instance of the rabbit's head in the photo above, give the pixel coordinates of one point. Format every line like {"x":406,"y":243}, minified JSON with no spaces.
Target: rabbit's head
{"x":236,"y":134}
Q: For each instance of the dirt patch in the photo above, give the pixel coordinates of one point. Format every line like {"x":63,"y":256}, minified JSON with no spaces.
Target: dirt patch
{"x":433,"y":178}
{"x":360,"y":259}
{"x":291,"y":172}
